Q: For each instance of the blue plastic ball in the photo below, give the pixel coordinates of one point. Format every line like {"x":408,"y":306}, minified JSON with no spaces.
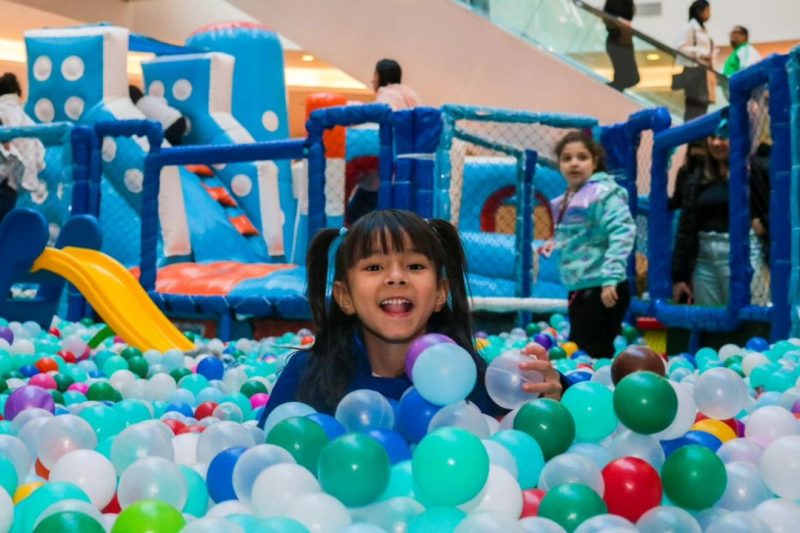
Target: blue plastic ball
{"x":333,"y":428}
{"x":219,"y":477}
{"x":394,"y":444}
{"x":211,"y":368}
{"x":414,"y":415}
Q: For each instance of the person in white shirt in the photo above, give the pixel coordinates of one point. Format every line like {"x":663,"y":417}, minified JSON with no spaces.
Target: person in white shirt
{"x":21,"y":159}
{"x":743,"y":54}
{"x":156,"y":108}
{"x":699,"y":83}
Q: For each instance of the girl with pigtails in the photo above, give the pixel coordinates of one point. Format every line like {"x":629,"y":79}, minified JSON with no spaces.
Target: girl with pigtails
{"x":373,"y":290}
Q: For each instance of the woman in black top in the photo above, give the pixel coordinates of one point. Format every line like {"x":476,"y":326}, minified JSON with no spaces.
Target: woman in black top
{"x":619,"y":44}
{"x":700,"y":259}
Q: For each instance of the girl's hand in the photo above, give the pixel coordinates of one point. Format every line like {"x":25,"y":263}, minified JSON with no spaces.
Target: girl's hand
{"x":679,"y":290}
{"x":547,"y":248}
{"x":540,"y":361}
{"x":609,"y":296}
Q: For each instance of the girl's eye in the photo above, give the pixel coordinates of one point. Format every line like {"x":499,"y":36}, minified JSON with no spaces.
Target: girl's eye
{"x":417,"y":266}
{"x":372,"y":268}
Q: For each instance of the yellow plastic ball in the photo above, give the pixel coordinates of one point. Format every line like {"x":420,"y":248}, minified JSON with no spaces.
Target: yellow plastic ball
{"x":715,"y":427}
{"x":570,"y":348}
{"x":25,"y":490}
{"x":480,"y":344}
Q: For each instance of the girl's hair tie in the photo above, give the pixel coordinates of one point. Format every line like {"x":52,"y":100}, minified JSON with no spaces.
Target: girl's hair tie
{"x":330,"y":277}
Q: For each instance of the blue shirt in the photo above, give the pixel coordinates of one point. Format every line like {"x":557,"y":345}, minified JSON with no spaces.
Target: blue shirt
{"x":285,"y":389}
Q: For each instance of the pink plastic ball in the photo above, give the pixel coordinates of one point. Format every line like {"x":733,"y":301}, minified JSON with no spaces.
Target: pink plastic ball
{"x":258,"y":399}
{"x":83,"y":388}
{"x":44,"y":381}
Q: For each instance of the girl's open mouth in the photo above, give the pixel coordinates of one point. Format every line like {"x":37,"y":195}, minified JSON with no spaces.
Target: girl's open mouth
{"x":396,"y":306}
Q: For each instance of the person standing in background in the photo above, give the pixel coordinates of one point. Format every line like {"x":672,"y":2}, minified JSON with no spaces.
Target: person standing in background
{"x":743,"y":53}
{"x":697,"y":80}
{"x":387,"y":83}
{"x":619,"y":44}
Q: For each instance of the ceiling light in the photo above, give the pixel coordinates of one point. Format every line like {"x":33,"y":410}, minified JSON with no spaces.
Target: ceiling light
{"x":653,"y":57}
{"x":307,"y":58}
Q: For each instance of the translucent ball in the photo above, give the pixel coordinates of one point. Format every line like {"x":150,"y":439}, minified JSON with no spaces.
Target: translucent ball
{"x":606,"y":522}
{"x":319,"y":512}
{"x":500,"y":456}
{"x":15,"y":451}
{"x":738,"y":522}
{"x":660,"y":519}
{"x":538,"y":524}
{"x":571,"y":468}
{"x":152,"y":478}
{"x":250,"y":465}
{"x":720,"y":393}
{"x":222,"y":436}
{"x":779,"y":514}
{"x":645,"y":447}
{"x":139,"y":441}
{"x":481,"y":521}
{"x":278,"y":486}
{"x":769,"y":423}
{"x":284,"y":411}
{"x":444,"y":373}
{"x":745,"y":450}
{"x":780,"y":468}
{"x":185,"y":448}
{"x":685,"y":415}
{"x":464,"y":415}
{"x":745,"y":489}
{"x":505,"y":380}
{"x":363,"y":410}
{"x":63,"y":434}
{"x":90,"y":471}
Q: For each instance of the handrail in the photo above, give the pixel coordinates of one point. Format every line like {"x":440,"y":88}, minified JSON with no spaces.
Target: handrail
{"x":644,"y":37}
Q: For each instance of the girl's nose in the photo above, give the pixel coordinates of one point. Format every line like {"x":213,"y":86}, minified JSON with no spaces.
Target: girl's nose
{"x":396,"y":276}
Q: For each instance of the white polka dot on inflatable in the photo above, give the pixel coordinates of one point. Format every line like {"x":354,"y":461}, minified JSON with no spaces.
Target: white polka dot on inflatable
{"x":241,"y":185}
{"x":156,"y":89}
{"x":73,"y":107}
{"x":42,"y":68}
{"x":72,"y":68}
{"x":44,"y":110}
{"x":134,"y":180}
{"x":182,"y":89}
{"x":109,"y":150}
{"x":270,"y":120}
{"x":40,"y":194}
{"x":142,"y":141}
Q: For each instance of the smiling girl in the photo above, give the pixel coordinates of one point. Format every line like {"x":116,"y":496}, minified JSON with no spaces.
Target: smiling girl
{"x":375,"y":289}
{"x":595,"y":234}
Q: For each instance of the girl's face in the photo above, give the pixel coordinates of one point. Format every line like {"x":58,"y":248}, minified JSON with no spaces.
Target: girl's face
{"x":577,"y":164}
{"x":718,"y":148}
{"x":393,"y":294}
{"x":705,"y":15}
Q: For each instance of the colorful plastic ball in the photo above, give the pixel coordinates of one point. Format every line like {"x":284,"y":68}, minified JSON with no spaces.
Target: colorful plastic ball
{"x":211,"y":368}
{"x":718,"y":428}
{"x":464,"y":415}
{"x":720,"y":393}
{"x":694,"y":477}
{"x":90,"y":471}
{"x":251,"y":463}
{"x":28,"y":370}
{"x":527,"y":454}
{"x":636,"y":359}
{"x":450,"y":466}
{"x":780,"y":468}
{"x":8,"y":476}
{"x":444,"y":373}
{"x":645,"y":402}
{"x":149,"y":516}
{"x":101,"y":391}
{"x":544,"y":340}
{"x":27,"y":397}
{"x":757,"y":344}
{"x":549,"y":422}
{"x":221,"y":436}
{"x":204,"y":410}
{"x":278,"y":486}
{"x":592,"y":408}
{"x":152,"y":477}
{"x":302,"y":438}
{"x":436,"y":519}
{"x":556,"y":353}
{"x":420,"y":345}
{"x":414,"y":415}
{"x":745,"y":489}
{"x":663,"y":518}
{"x":7,"y":334}
{"x":69,"y":522}
{"x":505,"y":380}
{"x":632,"y":487}
{"x":363,"y":410}
{"x":197,"y":499}
{"x":569,"y":505}
{"x":28,"y":510}
{"x":393,"y":443}
{"x":219,"y":476}
{"x":779,"y":514}
{"x":354,"y":469}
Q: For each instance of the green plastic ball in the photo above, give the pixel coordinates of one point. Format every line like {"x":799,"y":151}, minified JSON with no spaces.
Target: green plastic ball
{"x":101,"y":391}
{"x":570,"y":504}
{"x":249,"y":388}
{"x":301,"y":437}
{"x":450,"y":466}
{"x":69,"y":522}
{"x":138,"y":365}
{"x":591,"y":405}
{"x":549,"y":423}
{"x":354,"y":469}
{"x":694,"y":477}
{"x":149,"y":516}
{"x":645,"y":402}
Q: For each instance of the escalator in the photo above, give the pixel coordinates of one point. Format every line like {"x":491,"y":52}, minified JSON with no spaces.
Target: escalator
{"x":576,"y":31}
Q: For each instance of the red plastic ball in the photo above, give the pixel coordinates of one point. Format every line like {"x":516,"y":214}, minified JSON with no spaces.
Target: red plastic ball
{"x":174,"y":425}
{"x":54,"y":331}
{"x":204,"y":409}
{"x":191,"y":429}
{"x":531,"y":499}
{"x":46,"y":364}
{"x":41,"y":470}
{"x":69,"y":357}
{"x":305,"y":341}
{"x":113,"y":506}
{"x":632,"y":487}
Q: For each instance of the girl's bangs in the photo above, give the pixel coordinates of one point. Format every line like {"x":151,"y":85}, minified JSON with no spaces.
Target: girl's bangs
{"x":388,"y":232}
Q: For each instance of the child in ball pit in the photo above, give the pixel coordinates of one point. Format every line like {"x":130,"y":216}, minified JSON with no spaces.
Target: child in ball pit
{"x":373,"y":290}
{"x":595,"y":232}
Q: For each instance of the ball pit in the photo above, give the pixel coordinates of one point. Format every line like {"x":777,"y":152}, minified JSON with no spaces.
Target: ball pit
{"x":113,"y":439}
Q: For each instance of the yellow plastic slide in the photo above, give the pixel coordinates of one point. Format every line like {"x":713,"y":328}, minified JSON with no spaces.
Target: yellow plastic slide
{"x":116,"y":296}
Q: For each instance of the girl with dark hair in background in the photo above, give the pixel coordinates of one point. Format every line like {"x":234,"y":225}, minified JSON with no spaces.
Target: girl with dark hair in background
{"x":697,"y":82}
{"x":387,"y":83}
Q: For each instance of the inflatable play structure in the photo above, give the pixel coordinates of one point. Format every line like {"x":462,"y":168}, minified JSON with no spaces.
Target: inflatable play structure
{"x":217,"y":228}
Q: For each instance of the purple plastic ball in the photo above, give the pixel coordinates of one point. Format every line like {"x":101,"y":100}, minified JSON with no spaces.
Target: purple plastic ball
{"x":796,"y":407}
{"x":6,"y":334}
{"x":544,"y":340}
{"x":419,"y":346}
{"x":28,"y":396}
{"x":481,"y":335}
